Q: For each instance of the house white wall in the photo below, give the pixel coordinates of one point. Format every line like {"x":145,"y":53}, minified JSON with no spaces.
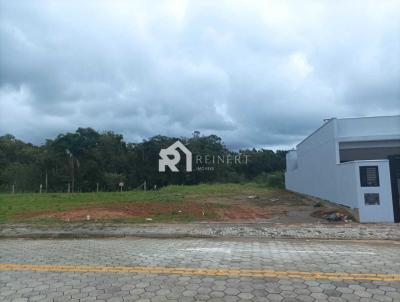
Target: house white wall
{"x":347,"y":186}
{"x":314,"y":168}
{"x":316,"y":162}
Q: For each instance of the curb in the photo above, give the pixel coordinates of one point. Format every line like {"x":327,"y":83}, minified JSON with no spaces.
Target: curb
{"x":102,"y":236}
{"x":203,"y":230}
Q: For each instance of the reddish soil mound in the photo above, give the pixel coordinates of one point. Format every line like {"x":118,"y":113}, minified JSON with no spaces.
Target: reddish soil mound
{"x":237,"y":212}
{"x":128,"y":210}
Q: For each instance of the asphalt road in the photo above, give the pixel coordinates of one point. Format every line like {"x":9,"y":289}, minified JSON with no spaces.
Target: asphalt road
{"x":198,"y":270}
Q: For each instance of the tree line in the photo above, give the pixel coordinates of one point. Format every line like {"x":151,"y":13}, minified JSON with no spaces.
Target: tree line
{"x":87,"y":161}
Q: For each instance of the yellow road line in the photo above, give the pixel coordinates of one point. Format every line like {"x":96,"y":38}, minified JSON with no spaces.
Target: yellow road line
{"x":200,"y":271}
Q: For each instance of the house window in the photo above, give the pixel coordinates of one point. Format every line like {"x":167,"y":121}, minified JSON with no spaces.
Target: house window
{"x":369,"y":176}
{"x":371,"y":199}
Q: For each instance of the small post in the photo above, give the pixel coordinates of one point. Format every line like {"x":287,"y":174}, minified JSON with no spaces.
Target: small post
{"x":69,"y":188}
{"x":46,"y":181}
{"x":13,"y":188}
{"x":40,"y":188}
{"x":97,"y":187}
{"x":145,"y":186}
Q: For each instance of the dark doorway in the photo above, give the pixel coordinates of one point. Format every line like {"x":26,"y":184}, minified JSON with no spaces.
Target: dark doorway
{"x":394,"y":164}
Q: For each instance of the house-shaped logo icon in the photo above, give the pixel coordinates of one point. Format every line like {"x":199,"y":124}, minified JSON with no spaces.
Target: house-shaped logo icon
{"x":172,"y":151}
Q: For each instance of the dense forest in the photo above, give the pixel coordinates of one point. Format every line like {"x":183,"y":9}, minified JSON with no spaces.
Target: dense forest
{"x":87,"y":160}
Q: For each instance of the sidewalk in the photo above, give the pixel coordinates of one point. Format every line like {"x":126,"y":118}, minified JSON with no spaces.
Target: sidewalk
{"x":350,"y":231}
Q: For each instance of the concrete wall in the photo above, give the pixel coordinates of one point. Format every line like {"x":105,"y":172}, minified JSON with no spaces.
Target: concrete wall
{"x":350,"y":192}
{"x":316,"y":162}
{"x":347,"y":186}
{"x":384,"y":211}
{"x":291,"y":160}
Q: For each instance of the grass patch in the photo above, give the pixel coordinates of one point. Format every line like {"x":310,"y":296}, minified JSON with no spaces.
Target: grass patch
{"x":14,"y":206}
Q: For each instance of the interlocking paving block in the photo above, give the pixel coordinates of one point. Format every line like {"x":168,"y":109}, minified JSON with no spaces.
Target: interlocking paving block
{"x":198,"y":270}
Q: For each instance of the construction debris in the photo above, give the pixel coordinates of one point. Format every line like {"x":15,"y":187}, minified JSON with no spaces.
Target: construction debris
{"x":336,"y":216}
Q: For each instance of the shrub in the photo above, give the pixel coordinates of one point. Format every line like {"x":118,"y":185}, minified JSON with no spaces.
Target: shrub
{"x":274,"y":180}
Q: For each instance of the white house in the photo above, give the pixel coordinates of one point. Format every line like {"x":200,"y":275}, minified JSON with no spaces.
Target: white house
{"x":353,"y":162}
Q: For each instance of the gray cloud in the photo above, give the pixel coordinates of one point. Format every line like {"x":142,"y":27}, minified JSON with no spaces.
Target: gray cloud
{"x":260,"y":73}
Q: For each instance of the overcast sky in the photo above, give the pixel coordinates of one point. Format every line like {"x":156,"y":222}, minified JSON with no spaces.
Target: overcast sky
{"x":257,"y":73}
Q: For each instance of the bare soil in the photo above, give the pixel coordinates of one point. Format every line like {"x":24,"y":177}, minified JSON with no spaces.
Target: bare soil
{"x":128,"y":210}
{"x":275,"y":206}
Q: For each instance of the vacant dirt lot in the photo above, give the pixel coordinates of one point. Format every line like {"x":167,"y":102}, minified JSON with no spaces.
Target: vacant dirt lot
{"x":272,"y":205}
